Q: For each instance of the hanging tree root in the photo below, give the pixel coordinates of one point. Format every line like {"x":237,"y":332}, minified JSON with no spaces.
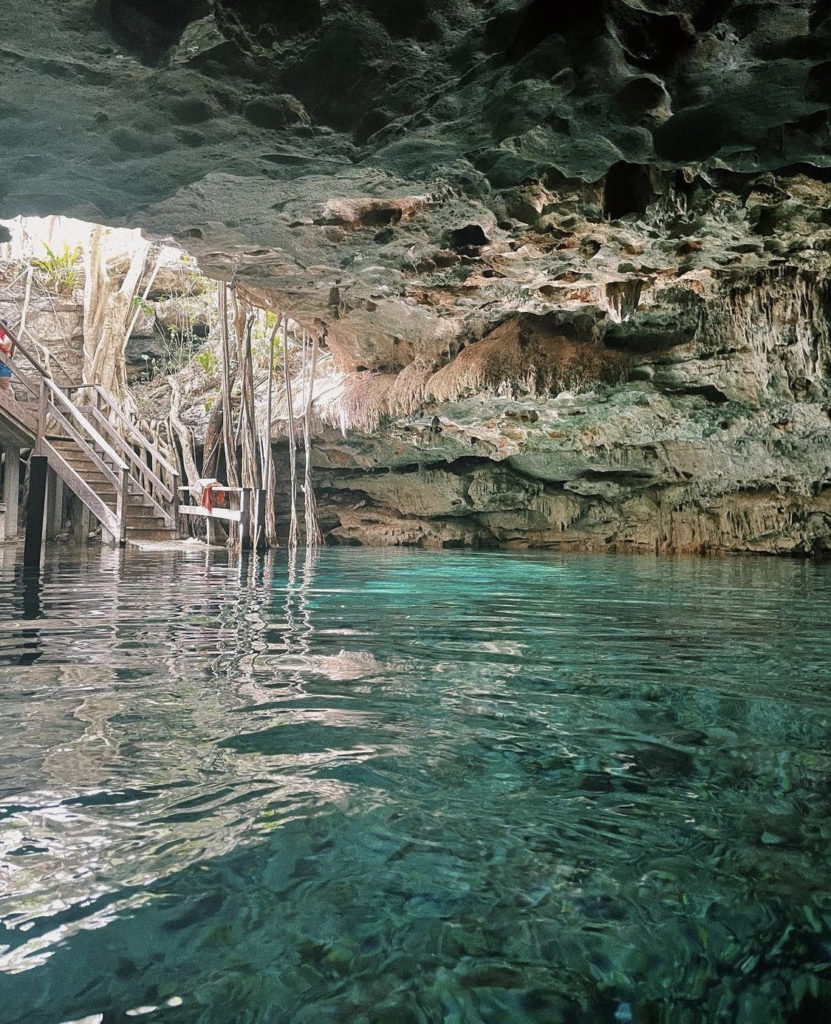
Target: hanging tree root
{"x":292,"y":538}
{"x":266,"y":453}
{"x":313,"y":536}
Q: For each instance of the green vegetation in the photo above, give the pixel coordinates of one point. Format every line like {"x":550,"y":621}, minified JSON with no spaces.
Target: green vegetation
{"x":261,"y":340}
{"x":58,"y":270}
{"x":208,"y":361}
{"x":143,"y":305}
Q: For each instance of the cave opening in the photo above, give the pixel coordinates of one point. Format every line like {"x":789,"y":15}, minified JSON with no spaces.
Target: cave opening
{"x":469,"y":236}
{"x":541,"y":19}
{"x":148,"y":28}
{"x":628,"y":189}
{"x":269,"y":20}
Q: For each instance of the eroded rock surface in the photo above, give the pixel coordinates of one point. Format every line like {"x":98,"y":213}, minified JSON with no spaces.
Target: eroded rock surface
{"x":572,"y":259}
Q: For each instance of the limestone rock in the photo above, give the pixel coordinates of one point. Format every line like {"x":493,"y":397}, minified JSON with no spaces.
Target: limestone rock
{"x":426,"y":182}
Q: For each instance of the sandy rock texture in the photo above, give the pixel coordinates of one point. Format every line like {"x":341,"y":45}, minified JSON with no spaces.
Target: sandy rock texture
{"x":571,"y":261}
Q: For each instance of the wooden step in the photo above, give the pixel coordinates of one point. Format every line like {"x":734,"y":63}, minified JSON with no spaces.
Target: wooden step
{"x":143,"y":516}
{"x":161,"y":534}
{"x":80,"y":463}
{"x":97,"y":479}
{"x":72,"y":452}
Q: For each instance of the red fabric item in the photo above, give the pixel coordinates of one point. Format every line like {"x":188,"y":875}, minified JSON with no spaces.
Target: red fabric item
{"x":212,"y":494}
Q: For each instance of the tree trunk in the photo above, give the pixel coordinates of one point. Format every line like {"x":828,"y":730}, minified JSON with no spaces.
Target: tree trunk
{"x":213,"y":441}
{"x":229,"y":443}
{"x":244,"y":323}
{"x":183,"y":433}
{"x":267,"y":453}
{"x":107,"y":314}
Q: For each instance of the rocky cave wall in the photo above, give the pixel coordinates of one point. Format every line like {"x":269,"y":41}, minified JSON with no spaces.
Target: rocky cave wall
{"x":570,"y":261}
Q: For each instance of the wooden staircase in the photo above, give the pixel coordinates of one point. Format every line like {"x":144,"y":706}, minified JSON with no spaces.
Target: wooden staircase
{"x":142,"y":519}
{"x":104,"y":459}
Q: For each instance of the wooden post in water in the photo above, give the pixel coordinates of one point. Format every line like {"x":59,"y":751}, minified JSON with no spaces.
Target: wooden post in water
{"x":81,"y":521}
{"x":245,"y":519}
{"x":121,"y":506}
{"x":174,"y":507}
{"x":260,"y":538}
{"x":11,"y":491}
{"x":33,"y":545}
{"x":54,"y":505}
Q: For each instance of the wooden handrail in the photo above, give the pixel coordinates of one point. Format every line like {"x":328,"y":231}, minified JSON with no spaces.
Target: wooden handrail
{"x":77,"y":415}
{"x":131,"y":456}
{"x":242,"y":515}
{"x":27,"y":355}
{"x":147,"y":479}
{"x":85,"y":447}
{"x":16,"y":343}
{"x":148,"y":447}
{"x":150,"y":481}
{"x":222,"y":487}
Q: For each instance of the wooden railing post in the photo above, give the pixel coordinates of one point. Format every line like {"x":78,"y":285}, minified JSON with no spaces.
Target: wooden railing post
{"x":121,"y":506}
{"x":42,"y":413}
{"x":174,"y":506}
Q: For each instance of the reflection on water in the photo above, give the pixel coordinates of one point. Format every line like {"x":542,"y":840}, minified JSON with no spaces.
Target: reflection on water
{"x":412,"y":787}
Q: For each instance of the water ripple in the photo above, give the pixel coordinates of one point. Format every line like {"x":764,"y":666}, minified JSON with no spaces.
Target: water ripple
{"x":410,"y":787}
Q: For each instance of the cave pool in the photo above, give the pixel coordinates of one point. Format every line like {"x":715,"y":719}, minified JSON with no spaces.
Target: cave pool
{"x":409,"y":787}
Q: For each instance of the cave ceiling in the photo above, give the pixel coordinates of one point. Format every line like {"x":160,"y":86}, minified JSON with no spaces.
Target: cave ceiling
{"x":408,"y":173}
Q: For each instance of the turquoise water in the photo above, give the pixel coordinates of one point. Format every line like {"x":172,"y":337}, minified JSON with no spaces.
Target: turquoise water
{"x":403,"y":787}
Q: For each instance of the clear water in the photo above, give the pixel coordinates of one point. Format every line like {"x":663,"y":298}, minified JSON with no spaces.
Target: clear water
{"x":406,"y":787}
